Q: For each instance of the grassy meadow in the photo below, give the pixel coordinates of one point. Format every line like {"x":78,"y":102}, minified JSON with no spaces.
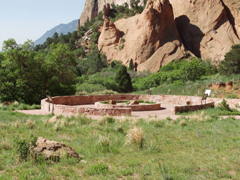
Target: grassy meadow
{"x":201,"y":145}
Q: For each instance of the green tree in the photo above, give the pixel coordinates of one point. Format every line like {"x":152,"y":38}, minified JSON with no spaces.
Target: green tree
{"x":231,"y":63}
{"x":58,"y":71}
{"x":9,"y":44}
{"x":130,"y":65}
{"x":123,"y":80}
{"x":95,"y":62}
{"x":192,"y":70}
{"x":27,"y":75}
{"x":19,"y":73}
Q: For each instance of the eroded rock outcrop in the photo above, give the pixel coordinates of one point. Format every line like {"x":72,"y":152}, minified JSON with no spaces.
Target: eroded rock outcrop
{"x":93,"y":7}
{"x":232,"y":8}
{"x":151,"y":39}
{"x":90,"y":11}
{"x":110,"y":34}
{"x":204,"y":27}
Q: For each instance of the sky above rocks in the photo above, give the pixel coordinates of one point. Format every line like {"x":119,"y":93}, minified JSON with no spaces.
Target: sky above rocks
{"x":30,"y":19}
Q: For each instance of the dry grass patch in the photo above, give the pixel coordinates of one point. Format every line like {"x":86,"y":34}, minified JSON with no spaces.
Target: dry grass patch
{"x":135,"y":136}
{"x":101,"y":121}
{"x":202,"y":117}
{"x":17,"y":124}
{"x":103,"y":140}
{"x":30,"y":124}
{"x":57,"y":127}
{"x":183,"y":122}
{"x":5,"y":145}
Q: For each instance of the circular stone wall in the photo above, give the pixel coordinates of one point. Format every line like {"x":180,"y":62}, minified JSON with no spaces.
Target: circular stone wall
{"x":71,"y":105}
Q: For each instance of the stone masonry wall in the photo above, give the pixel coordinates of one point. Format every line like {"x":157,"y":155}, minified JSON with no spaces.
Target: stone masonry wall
{"x":186,"y":108}
{"x":67,"y":104}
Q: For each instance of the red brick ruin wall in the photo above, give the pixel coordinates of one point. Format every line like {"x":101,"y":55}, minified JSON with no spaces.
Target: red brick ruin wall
{"x":67,"y":104}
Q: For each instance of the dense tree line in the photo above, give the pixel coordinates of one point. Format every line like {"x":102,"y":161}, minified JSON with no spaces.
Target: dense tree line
{"x":28,"y":76}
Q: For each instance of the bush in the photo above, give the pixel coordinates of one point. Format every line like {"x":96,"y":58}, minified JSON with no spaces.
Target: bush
{"x":24,"y":147}
{"x":130,"y":65}
{"x":90,"y":87}
{"x":98,"y":169}
{"x":177,"y":73}
{"x":231,"y":63}
{"x":123,"y":80}
{"x":224,"y":106}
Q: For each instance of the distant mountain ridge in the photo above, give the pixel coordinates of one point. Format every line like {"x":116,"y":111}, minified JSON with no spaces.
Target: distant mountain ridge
{"x":61,"y":28}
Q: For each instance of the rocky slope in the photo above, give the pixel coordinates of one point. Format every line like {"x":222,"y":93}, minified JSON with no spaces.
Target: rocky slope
{"x":166,"y":28}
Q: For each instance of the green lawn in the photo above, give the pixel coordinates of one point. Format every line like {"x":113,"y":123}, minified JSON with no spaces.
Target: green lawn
{"x":200,"y":147}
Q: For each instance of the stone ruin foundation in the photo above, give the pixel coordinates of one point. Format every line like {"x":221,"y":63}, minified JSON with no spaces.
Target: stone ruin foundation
{"x":90,"y":105}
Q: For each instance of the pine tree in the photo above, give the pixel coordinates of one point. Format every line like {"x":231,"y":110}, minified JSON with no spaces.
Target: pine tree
{"x":231,"y":63}
{"x":123,"y":80}
{"x":130,"y":65}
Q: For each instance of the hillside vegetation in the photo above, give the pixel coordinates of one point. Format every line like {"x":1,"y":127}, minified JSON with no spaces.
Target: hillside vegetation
{"x":71,"y":64}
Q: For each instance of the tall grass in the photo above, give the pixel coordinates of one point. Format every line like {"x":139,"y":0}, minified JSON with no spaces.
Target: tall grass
{"x":205,"y":148}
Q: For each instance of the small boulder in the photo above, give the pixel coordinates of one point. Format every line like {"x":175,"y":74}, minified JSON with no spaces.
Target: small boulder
{"x":53,"y":150}
{"x":6,"y":103}
{"x":53,"y":119}
{"x":133,"y":102}
{"x":112,"y":102}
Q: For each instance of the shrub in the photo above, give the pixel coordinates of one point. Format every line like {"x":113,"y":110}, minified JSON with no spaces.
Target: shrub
{"x":90,"y":87}
{"x":123,"y":80}
{"x":232,"y":96}
{"x":109,"y":119}
{"x":122,"y":40}
{"x":231,"y":63}
{"x":224,"y":105}
{"x":98,"y":169}
{"x":24,"y":147}
{"x":121,"y":47}
{"x":130,"y":65}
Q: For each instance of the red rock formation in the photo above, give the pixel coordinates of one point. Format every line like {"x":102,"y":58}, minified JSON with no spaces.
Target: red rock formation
{"x":233,"y":12}
{"x":151,"y":39}
{"x":93,"y":7}
{"x":109,"y":35}
{"x":204,"y":27}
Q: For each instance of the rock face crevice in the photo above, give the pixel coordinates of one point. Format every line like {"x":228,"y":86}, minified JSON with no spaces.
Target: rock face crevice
{"x":230,"y":18}
{"x":188,"y":31}
{"x":204,"y":28}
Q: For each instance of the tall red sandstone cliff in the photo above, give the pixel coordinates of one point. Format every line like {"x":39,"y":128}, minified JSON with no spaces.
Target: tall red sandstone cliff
{"x":93,"y":7}
{"x":207,"y":28}
{"x":151,"y":39}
